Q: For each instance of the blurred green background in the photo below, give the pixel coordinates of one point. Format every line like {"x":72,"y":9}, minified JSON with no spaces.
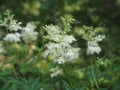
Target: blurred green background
{"x":96,"y":13}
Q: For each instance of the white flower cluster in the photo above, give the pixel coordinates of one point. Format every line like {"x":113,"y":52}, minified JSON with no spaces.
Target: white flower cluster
{"x":93,"y":46}
{"x":60,"y":47}
{"x":14,"y":26}
{"x":55,"y":71}
{"x":12,"y":37}
{"x":16,"y":32}
{"x":28,"y":34}
{"x":92,"y":38}
{"x":53,"y":33}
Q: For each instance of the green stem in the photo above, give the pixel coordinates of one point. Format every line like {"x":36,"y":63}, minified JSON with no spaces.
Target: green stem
{"x":67,"y":75}
{"x":93,"y":74}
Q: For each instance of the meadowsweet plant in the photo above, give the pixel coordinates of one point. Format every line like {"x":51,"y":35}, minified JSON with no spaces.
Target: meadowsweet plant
{"x":16,"y":32}
{"x":17,"y":39}
{"x":60,"y":43}
{"x":27,"y":60}
{"x":93,"y":37}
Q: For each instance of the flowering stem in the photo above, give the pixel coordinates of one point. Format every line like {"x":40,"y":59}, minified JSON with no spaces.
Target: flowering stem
{"x":93,"y":74}
{"x":67,"y":75}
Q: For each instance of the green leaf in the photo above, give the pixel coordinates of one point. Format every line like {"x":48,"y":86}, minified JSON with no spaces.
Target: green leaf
{"x":66,"y":85}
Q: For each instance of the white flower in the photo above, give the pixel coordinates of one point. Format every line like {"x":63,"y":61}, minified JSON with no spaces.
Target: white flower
{"x":68,"y":38}
{"x":52,"y":29}
{"x":60,"y":60}
{"x":72,"y":54}
{"x":53,"y":49}
{"x":99,"y":38}
{"x":62,"y":53}
{"x":12,"y":37}
{"x":93,"y":47}
{"x":28,"y":34}
{"x":54,"y":33}
{"x":55,"y":71}
{"x":56,"y":37}
{"x":51,"y":45}
{"x":29,"y":27}
{"x":14,"y":25}
{"x":90,"y":35}
{"x":60,"y":47}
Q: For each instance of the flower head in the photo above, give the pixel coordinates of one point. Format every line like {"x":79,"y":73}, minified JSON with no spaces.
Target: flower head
{"x":12,"y":37}
{"x":92,"y":38}
{"x":28,"y":34}
{"x":55,"y":71}
{"x":14,"y":25}
{"x":60,"y":46}
{"x":93,"y":47}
